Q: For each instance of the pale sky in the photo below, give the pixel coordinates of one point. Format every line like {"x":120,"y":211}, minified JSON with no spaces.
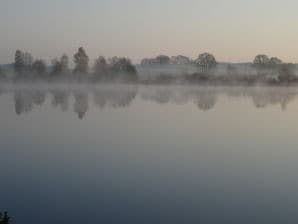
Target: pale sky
{"x":233,"y":30}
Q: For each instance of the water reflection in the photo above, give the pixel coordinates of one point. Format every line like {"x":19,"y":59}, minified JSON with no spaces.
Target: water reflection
{"x":205,"y":98}
{"x":81,"y":104}
{"x":114,"y":97}
{"x":60,"y":99}
{"x":25,"y":100}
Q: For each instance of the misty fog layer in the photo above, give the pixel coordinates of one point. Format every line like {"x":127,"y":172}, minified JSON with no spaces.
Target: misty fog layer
{"x":205,"y":69}
{"x":77,"y":98}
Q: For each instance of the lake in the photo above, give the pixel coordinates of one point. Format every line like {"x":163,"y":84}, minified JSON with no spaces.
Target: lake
{"x":148,"y":154}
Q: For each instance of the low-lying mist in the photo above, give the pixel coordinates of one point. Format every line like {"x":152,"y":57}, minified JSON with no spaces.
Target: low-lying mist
{"x":160,"y":70}
{"x":78,"y":96}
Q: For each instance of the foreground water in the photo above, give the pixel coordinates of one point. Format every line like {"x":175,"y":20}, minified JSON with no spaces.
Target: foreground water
{"x":149,"y":154}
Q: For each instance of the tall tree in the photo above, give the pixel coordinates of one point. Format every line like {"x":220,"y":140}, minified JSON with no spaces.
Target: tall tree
{"x":81,"y":61}
{"x":19,"y":63}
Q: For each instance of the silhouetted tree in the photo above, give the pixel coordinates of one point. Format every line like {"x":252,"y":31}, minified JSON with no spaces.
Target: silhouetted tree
{"x":261,"y":61}
{"x":60,"y":67}
{"x":19,"y":63}
{"x":4,"y":218}
{"x":39,"y":67}
{"x":81,"y":61}
{"x":23,"y":62}
{"x":206,"y":62}
{"x":123,"y":67}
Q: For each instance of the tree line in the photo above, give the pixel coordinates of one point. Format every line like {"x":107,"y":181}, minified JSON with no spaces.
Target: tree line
{"x":263,"y":69}
{"x":103,"y":69}
{"x":204,"y":61}
{"x":270,"y":70}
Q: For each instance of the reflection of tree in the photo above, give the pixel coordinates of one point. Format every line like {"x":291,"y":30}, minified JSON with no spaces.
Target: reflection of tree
{"x":261,"y":98}
{"x":163,"y":96}
{"x":100,"y":99}
{"x":39,"y":97}
{"x":121,"y":97}
{"x":158,"y":95}
{"x":20,"y":105}
{"x":60,"y":98}
{"x":81,"y":104}
{"x":25,"y":100}
{"x":205,"y":100}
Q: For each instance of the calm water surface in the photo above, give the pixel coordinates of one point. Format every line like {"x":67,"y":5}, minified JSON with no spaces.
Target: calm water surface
{"x":149,"y":154}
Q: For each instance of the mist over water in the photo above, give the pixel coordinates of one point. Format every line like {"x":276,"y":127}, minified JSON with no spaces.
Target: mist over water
{"x":148,"y":154}
{"x":77,"y":97}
